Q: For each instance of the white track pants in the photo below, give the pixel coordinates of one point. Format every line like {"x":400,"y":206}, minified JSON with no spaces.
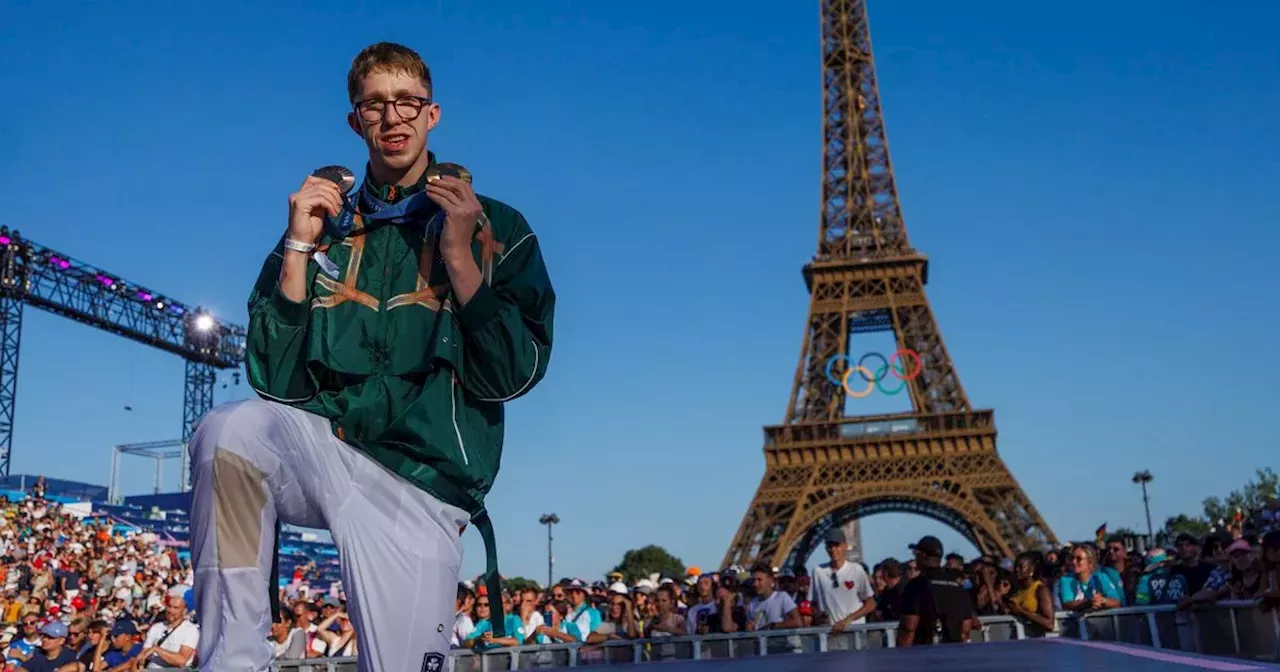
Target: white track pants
{"x":255,"y":461}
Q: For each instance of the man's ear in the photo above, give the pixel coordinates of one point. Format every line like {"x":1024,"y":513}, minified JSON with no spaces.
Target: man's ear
{"x":354,"y":123}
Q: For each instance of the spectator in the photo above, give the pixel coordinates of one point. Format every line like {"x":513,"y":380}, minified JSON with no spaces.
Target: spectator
{"x":96,"y":636}
{"x":1086,"y":589}
{"x":770,"y":609}
{"x":53,"y":652}
{"x":889,"y":594}
{"x":1193,"y":568}
{"x":462,"y":623}
{"x":1121,"y":570}
{"x":172,"y":643}
{"x":619,"y":622}
{"x":1031,"y":600}
{"x":583,"y":616}
{"x":530,"y":618}
{"x":842,"y":590}
{"x":290,"y":640}
{"x":732,"y":614}
{"x":668,"y":621}
{"x":560,"y":629}
{"x":935,"y":600}
{"x":124,"y":650}
{"x":700,"y":612}
{"x":1158,"y":583}
{"x":1241,"y":577}
{"x":340,"y":642}
{"x":22,"y":648}
{"x":481,"y":637}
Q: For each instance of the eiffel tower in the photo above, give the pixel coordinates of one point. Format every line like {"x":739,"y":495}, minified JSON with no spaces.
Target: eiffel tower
{"x":824,"y":467}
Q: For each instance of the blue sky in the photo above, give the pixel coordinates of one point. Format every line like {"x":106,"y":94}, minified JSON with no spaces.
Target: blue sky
{"x":1095,"y":188}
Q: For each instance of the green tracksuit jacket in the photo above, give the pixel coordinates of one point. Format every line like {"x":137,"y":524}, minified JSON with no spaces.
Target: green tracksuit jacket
{"x":402,"y":372}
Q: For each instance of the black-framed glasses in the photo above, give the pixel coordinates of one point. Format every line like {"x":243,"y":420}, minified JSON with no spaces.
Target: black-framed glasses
{"x":407,"y":108}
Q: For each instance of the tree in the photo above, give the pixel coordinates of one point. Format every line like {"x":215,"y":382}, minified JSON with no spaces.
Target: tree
{"x":517,"y":583}
{"x":639,"y":563}
{"x":1252,"y":497}
{"x":1181,"y":524}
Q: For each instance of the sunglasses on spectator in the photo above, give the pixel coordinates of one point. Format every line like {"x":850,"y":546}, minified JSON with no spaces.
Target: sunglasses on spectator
{"x":482,"y":604}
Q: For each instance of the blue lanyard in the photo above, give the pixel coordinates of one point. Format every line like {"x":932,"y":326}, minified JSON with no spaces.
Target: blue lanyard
{"x":410,"y":210}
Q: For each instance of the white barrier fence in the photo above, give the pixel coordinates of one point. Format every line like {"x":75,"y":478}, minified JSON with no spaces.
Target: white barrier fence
{"x":1232,"y":629}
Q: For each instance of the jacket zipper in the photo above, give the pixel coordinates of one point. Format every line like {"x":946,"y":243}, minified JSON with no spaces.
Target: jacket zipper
{"x":453,"y":401}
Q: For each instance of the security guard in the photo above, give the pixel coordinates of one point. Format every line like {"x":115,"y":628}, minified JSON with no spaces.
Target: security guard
{"x":935,"y":602}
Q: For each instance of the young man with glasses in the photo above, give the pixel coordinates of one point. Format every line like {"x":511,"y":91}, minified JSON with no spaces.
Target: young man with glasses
{"x":383,"y":354}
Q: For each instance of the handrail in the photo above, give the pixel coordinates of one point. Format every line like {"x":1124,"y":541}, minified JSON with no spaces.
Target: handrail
{"x":1237,"y":629}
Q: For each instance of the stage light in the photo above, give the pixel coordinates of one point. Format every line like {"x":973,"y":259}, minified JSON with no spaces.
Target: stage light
{"x":204,"y":323}
{"x":4,"y":240}
{"x":144,"y":296}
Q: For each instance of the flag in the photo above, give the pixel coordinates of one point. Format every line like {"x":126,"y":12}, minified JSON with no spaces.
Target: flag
{"x":1100,"y":536}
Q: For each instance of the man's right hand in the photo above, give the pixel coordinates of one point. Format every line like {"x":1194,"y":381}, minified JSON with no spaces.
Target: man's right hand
{"x":308,"y":206}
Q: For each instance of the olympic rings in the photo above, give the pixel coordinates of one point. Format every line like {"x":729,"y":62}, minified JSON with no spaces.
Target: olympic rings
{"x":893,"y":365}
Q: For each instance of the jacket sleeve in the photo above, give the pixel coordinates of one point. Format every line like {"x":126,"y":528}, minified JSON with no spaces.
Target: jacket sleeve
{"x":507,"y":323}
{"x":275,"y":347}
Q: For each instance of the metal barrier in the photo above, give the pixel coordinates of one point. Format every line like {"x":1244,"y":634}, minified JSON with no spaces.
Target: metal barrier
{"x":704,"y":647}
{"x":1234,"y":629}
{"x":1231,"y":629}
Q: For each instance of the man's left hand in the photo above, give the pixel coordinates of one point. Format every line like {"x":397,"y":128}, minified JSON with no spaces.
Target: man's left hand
{"x":462,"y":211}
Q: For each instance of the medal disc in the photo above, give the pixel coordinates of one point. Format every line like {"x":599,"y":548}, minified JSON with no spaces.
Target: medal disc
{"x":339,"y":175}
{"x":437,"y":170}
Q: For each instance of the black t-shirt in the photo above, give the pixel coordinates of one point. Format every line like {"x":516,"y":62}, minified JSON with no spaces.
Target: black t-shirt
{"x":1196,"y":575}
{"x":41,"y":662}
{"x":938,"y":597}
{"x":889,"y":601}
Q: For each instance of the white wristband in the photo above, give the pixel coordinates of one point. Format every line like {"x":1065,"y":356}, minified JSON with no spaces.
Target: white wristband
{"x":298,"y":246}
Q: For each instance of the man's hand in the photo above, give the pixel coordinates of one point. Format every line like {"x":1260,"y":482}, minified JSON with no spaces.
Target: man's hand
{"x":462,"y":211}
{"x":308,"y":206}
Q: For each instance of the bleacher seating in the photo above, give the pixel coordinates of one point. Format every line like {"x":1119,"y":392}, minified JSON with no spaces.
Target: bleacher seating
{"x":173,"y":525}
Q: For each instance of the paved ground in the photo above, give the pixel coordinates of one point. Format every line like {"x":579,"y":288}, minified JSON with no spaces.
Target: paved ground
{"x":1036,"y":655}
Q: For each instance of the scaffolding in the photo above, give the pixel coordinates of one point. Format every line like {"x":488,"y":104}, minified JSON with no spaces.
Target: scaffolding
{"x":160,"y":451}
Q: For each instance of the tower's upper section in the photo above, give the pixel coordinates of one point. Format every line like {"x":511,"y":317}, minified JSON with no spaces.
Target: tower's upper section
{"x":861,"y":217}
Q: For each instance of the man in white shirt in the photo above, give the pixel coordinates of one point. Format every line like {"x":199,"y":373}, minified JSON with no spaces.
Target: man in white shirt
{"x":174,"y":642}
{"x":842,"y":589}
{"x":770,"y":609}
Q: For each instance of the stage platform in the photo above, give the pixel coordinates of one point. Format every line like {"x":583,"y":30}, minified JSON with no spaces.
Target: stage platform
{"x":1028,"y":655}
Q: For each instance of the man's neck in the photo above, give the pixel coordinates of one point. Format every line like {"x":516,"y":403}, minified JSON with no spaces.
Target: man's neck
{"x":53,"y":653}
{"x":401,"y":178}
{"x":838,"y":562}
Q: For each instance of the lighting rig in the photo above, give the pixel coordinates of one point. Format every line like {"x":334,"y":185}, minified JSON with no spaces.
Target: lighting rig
{"x":54,"y":282}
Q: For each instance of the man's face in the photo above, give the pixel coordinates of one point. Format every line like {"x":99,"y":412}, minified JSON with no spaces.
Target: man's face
{"x":763,"y":582}
{"x":836,"y":551}
{"x":1189,"y":551}
{"x":393,"y":117}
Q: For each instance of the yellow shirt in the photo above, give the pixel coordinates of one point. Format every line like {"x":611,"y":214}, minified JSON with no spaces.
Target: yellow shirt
{"x":1027,"y":598}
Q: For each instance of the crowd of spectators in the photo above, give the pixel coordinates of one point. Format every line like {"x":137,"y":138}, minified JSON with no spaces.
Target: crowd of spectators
{"x":1229,"y":564}
{"x":81,"y":595}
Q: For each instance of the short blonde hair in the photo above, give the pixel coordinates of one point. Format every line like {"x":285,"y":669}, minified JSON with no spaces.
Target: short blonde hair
{"x":386,"y":57}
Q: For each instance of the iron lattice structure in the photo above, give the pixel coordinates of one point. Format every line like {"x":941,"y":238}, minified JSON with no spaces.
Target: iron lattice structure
{"x":825,"y":467}
{"x":31,"y":274}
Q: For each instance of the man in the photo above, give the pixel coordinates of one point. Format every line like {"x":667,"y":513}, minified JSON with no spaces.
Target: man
{"x":842,"y":589}
{"x":889,"y":599}
{"x":125,"y":647}
{"x":383,"y":360}
{"x":770,"y":609}
{"x":936,"y":598}
{"x":1192,"y":566}
{"x":173,"y":642}
{"x":53,"y":652}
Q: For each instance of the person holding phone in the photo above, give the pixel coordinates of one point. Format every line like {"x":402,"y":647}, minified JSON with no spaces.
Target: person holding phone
{"x":382,"y":361}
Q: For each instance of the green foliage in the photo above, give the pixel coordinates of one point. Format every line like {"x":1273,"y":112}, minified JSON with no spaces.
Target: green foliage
{"x":519,"y":583}
{"x":639,"y":563}
{"x":1250,"y":498}
{"x":1180,"y":524}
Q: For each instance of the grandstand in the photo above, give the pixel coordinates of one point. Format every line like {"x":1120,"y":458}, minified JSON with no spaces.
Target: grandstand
{"x":166,"y":515}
